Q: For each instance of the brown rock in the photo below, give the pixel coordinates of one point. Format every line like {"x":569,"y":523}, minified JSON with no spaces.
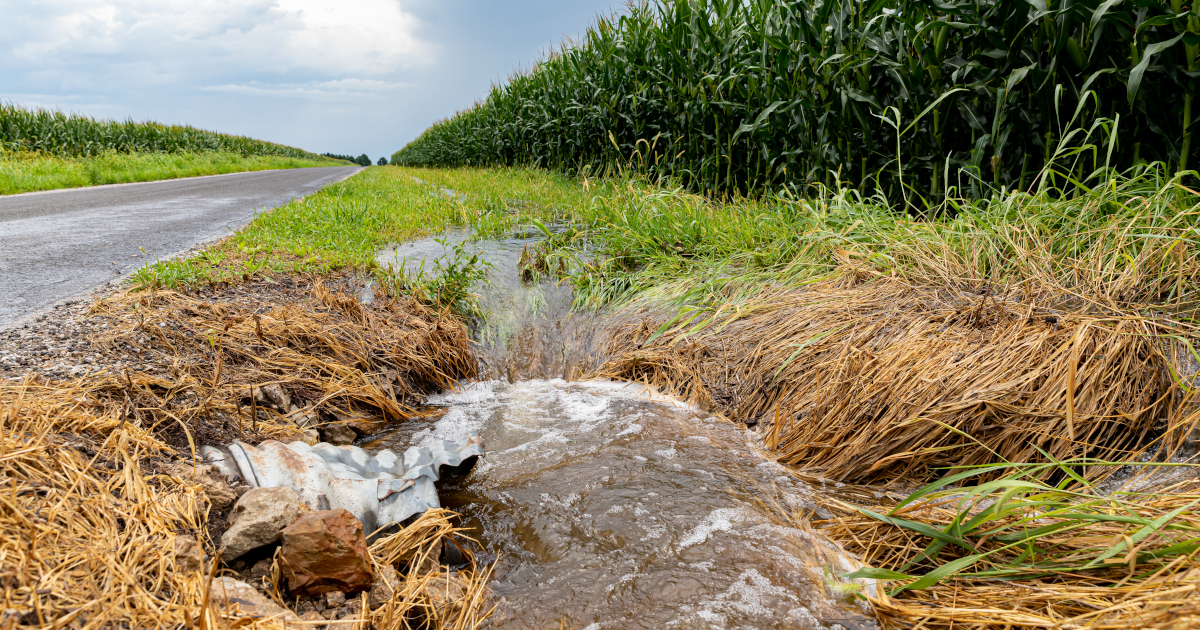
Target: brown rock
{"x":326,"y":551}
{"x":188,"y":557}
{"x":262,"y":568}
{"x":351,"y":609}
{"x":313,"y":615}
{"x":233,"y":598}
{"x":338,"y":434}
{"x":305,"y":418}
{"x":219,"y":494}
{"x":387,"y":581}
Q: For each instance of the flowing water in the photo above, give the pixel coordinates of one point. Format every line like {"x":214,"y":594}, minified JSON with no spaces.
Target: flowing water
{"x":606,"y":505}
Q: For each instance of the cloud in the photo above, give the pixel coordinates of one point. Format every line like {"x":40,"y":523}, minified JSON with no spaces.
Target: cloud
{"x":161,"y":41}
{"x":339,"y":90}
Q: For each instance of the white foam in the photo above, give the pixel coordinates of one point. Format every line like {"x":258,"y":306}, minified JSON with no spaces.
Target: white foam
{"x":719,"y":520}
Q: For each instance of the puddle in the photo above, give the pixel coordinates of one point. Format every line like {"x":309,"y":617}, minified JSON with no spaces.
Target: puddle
{"x":604,"y":505}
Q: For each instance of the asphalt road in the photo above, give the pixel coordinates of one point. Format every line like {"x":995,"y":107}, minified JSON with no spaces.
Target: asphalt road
{"x":64,"y":244}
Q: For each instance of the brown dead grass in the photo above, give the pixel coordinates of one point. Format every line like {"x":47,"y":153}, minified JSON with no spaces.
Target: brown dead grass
{"x":87,"y":528}
{"x":880,"y":380}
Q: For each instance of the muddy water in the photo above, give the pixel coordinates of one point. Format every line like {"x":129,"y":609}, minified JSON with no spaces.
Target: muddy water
{"x":606,"y":506}
{"x":528,"y":329}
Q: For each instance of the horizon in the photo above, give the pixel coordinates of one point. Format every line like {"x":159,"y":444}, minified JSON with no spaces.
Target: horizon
{"x":348,"y":78}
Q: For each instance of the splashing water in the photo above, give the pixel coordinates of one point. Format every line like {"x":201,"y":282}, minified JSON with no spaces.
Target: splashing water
{"x":606,"y":505}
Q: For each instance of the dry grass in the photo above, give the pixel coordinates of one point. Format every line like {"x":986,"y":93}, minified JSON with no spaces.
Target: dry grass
{"x":330,"y":353}
{"x":1033,"y":556}
{"x":880,"y":380}
{"x":87,"y":528}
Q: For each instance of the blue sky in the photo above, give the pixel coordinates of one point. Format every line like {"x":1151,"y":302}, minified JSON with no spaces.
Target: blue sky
{"x":345,"y":76}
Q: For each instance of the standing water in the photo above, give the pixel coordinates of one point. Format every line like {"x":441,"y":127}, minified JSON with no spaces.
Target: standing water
{"x":606,"y":505}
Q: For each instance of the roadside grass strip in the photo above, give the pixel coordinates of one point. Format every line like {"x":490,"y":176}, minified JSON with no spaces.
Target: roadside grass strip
{"x":31,"y":172}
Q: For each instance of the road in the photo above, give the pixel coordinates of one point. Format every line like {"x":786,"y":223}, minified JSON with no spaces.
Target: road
{"x":64,"y":244}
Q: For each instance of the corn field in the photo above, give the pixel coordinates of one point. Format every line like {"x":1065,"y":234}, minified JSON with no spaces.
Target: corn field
{"x":56,"y":133}
{"x":915,"y":99}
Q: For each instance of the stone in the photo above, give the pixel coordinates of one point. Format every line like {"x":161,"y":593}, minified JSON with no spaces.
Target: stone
{"x":273,"y":396}
{"x":208,"y":477}
{"x":447,"y":591}
{"x":334,"y":599}
{"x":230,"y":596}
{"x":188,"y":556}
{"x":338,"y":434}
{"x":326,"y":551}
{"x":257,"y":519}
{"x":350,"y":609}
{"x":306,"y":418}
{"x":387,"y":581}
{"x":310,"y":437}
{"x":262,"y":568}
{"x":311,"y":616}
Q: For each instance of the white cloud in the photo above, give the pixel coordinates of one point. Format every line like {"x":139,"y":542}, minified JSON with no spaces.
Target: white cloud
{"x":339,"y":90}
{"x":167,"y":38}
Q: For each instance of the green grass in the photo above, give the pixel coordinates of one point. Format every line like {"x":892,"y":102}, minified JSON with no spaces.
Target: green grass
{"x":1128,"y":245}
{"x":29,"y":172}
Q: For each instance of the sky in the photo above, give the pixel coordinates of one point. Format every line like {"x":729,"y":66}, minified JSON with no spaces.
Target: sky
{"x":339,"y":76}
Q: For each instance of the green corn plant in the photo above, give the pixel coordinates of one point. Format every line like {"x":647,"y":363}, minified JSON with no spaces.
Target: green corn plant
{"x":56,"y":133}
{"x":733,"y":97}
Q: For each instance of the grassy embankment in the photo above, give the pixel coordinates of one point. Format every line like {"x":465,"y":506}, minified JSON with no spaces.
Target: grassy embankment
{"x":42,"y":150}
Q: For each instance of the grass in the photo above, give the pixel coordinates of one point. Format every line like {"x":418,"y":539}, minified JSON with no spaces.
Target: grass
{"x":345,"y":224}
{"x":31,"y":172}
{"x":1018,"y":552}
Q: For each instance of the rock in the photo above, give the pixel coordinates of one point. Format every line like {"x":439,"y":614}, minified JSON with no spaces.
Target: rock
{"x":230,"y":596}
{"x":350,"y":609}
{"x":188,"y":557}
{"x":385,"y":585}
{"x":338,"y":434}
{"x":273,"y":396}
{"x":310,"y":437}
{"x":306,"y":418}
{"x":262,"y":568}
{"x":433,"y":560}
{"x":447,"y":592}
{"x":257,"y":519}
{"x":313,"y":615}
{"x":326,"y":551}
{"x":334,"y":599}
{"x":208,"y":477}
